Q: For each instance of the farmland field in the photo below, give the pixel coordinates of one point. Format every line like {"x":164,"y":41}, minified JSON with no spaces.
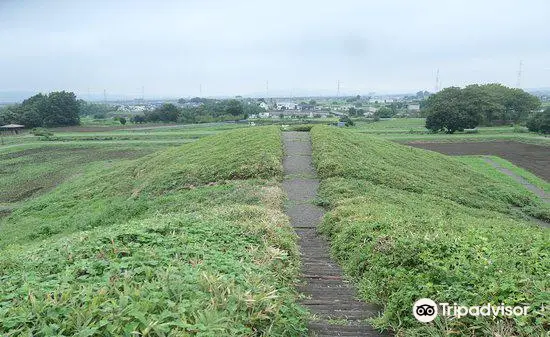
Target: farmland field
{"x":405,"y":130}
{"x":535,"y":158}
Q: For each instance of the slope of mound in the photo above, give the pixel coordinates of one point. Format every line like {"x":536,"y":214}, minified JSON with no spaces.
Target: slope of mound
{"x":190,"y":241}
{"x":135,"y":188}
{"x":409,"y":224}
{"x":340,"y":153}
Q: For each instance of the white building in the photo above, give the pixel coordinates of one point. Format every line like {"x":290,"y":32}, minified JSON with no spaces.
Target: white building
{"x":264,"y":106}
{"x":287,"y":106}
{"x":413,"y":107}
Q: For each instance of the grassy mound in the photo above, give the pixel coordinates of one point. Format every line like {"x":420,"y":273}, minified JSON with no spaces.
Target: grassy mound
{"x":190,"y":241}
{"x":137,"y":188}
{"x":339,"y":153}
{"x":409,"y":224}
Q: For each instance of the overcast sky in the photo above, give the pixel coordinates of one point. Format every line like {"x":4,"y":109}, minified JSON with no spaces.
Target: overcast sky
{"x":233,"y":47}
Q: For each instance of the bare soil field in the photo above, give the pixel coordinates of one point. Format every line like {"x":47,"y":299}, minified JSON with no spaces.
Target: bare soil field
{"x":535,"y":158}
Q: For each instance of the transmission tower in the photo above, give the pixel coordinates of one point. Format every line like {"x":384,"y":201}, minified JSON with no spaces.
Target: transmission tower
{"x":520,"y":73}
{"x":437,"y":84}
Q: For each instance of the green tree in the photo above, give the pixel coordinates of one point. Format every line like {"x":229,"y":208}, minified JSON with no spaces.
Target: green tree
{"x":62,"y":109}
{"x":498,"y":103}
{"x":122,"y":120}
{"x":347,"y":120}
{"x":449,"y":111}
{"x":234,"y":107}
{"x":540,"y":122}
{"x":384,"y":112}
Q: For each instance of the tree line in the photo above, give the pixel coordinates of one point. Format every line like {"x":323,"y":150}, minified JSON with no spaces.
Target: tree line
{"x":59,"y":108}
{"x":455,"y":109}
{"x":199,"y":110}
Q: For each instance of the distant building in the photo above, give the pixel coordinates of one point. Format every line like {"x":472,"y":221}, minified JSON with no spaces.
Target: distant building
{"x":263,"y":115}
{"x":413,"y":107}
{"x":287,"y":106}
{"x":264,"y":106}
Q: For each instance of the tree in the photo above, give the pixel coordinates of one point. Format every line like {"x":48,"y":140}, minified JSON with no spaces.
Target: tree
{"x":62,"y":109}
{"x":352,"y":111}
{"x":234,"y":107}
{"x":168,"y":112}
{"x":540,"y":122}
{"x":347,"y":120}
{"x":500,"y":104}
{"x":138,"y":119}
{"x":56,"y":109}
{"x":449,"y":111}
{"x":122,"y":120}
{"x":384,"y":112}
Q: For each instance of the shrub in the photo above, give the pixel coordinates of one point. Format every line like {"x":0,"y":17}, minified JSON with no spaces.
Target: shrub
{"x":540,"y":122}
{"x":347,"y":120}
{"x":42,"y":132}
{"x":520,"y":129}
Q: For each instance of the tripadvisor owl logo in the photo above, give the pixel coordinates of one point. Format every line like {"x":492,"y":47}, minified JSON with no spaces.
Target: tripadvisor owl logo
{"x":425,"y":310}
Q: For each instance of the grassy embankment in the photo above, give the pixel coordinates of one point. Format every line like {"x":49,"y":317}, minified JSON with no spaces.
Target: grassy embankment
{"x":187,"y":241}
{"x":408,"y":224}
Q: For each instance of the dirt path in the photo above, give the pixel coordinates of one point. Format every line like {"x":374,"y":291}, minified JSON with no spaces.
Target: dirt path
{"x":536,"y":190}
{"x":328,"y":296}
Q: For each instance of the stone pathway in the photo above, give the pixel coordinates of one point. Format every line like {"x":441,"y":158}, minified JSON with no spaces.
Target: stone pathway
{"x":329,"y":297}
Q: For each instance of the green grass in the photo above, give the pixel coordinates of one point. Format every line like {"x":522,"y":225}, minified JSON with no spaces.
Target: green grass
{"x":341,"y":153}
{"x":407,"y":224}
{"x":187,"y":241}
{"x":27,"y":173}
{"x":412,"y":129}
{"x":530,"y":177}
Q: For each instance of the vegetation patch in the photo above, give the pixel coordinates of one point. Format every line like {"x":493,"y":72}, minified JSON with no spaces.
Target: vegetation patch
{"x":409,"y":224}
{"x":339,"y":153}
{"x":188,"y":241}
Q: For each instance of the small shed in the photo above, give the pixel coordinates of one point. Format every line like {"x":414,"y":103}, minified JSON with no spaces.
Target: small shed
{"x":12,"y":128}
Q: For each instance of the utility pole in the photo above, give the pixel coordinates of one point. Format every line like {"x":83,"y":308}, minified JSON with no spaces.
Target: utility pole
{"x":338,"y":90}
{"x":267,"y":89}
{"x":142,"y":93}
{"x":104,"y":96}
{"x":520,"y":73}
{"x":200,"y":90}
